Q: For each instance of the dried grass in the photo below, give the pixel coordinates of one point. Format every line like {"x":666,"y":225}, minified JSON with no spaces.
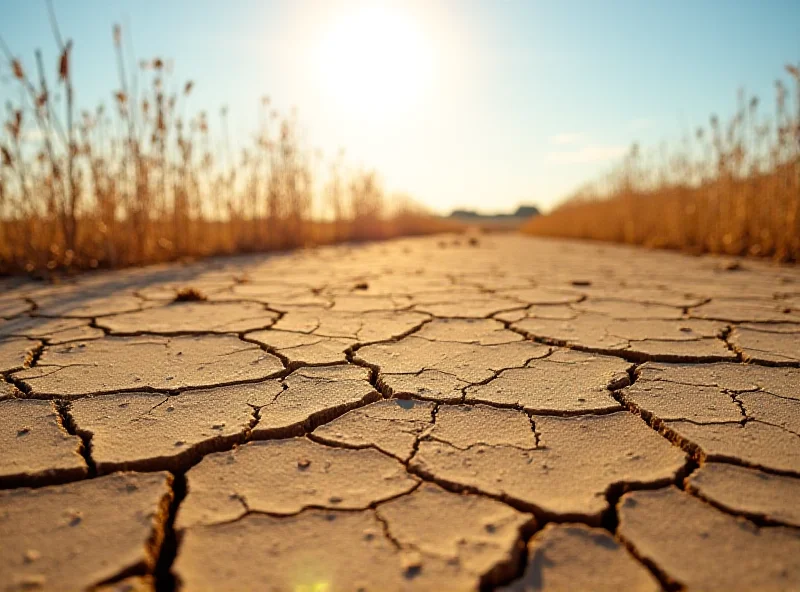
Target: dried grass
{"x":141,"y":182}
{"x":190,"y":294}
{"x":731,"y":189}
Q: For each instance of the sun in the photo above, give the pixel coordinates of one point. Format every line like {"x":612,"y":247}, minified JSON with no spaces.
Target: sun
{"x":375,"y":62}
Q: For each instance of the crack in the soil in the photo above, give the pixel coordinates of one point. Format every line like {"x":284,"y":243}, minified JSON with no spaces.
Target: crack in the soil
{"x":287,"y":363}
{"x":725,"y":337}
{"x":668,"y":584}
{"x":167,"y":549}
{"x":248,"y":511}
{"x":695,"y":455}
{"x":94,"y":325}
{"x":633,"y":356}
{"x":760,"y":520}
{"x":68,"y":423}
{"x":536,"y":435}
{"x":35,"y":354}
{"x":693,"y":450}
{"x":739,"y":405}
{"x":165,"y":580}
{"x":143,"y":389}
{"x":21,"y":386}
{"x":154,"y":546}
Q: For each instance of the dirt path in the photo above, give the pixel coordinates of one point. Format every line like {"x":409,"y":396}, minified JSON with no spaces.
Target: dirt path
{"x":424,"y":414}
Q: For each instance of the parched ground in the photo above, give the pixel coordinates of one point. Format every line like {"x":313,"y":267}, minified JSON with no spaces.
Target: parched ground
{"x":424,"y":414}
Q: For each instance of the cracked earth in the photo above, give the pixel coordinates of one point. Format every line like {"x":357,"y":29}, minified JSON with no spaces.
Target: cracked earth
{"x":423,"y":414}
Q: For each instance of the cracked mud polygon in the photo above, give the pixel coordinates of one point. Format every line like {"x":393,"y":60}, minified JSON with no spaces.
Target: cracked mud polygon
{"x":521,"y":415}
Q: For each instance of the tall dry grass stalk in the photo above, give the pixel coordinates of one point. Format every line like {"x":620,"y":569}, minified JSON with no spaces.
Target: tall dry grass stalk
{"x":731,"y":188}
{"x":141,"y":182}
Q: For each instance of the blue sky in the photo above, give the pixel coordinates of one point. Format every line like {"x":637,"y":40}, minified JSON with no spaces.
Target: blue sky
{"x":520,"y":101}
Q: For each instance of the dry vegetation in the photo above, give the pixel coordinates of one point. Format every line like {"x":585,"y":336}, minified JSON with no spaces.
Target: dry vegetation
{"x":731,"y":188}
{"x":141,"y":181}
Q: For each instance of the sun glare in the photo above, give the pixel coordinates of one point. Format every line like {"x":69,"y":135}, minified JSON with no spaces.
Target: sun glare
{"x":375,"y":62}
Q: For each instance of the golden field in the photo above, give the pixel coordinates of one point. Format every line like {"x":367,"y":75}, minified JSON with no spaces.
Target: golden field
{"x":731,"y":187}
{"x":139,"y":181}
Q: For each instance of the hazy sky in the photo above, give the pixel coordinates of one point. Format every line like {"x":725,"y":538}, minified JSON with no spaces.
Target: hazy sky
{"x":460,"y":103}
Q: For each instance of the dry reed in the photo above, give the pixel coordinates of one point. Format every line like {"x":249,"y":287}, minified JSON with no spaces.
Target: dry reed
{"x":142,"y":182}
{"x":729,"y":188}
